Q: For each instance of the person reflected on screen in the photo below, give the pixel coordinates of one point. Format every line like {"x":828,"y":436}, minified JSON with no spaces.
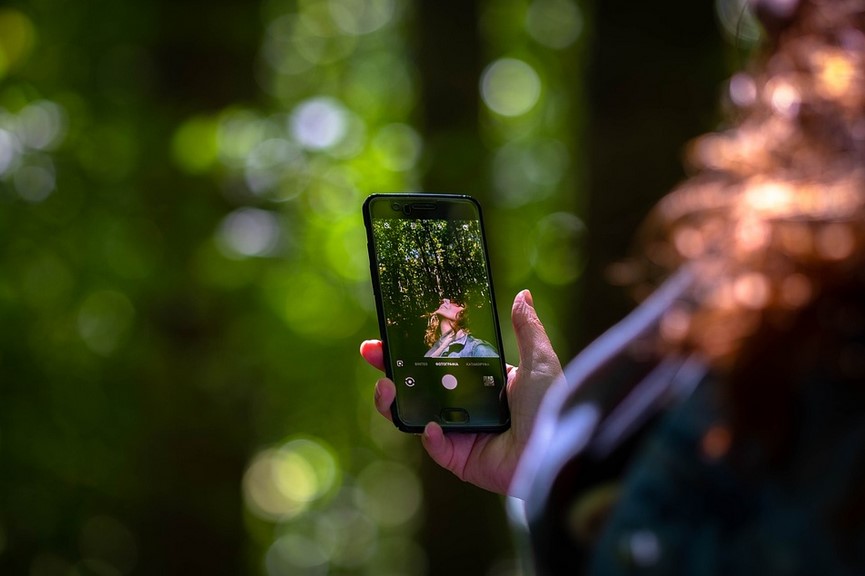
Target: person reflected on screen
{"x":448,"y":334}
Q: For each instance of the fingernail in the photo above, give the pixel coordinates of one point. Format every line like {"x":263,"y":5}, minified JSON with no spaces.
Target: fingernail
{"x":377,"y":392}
{"x":529,"y":299}
{"x":426,"y":434}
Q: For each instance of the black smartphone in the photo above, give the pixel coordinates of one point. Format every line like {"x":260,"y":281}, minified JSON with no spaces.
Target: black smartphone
{"x":436,"y":311}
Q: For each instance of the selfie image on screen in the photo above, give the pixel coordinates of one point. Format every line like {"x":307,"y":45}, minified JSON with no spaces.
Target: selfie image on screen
{"x":435,"y":286}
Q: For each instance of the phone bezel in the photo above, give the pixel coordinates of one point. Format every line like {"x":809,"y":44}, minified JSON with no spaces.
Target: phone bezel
{"x":433,"y":206}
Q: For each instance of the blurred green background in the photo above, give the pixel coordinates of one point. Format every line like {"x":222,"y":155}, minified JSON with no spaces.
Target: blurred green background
{"x":183,"y":274}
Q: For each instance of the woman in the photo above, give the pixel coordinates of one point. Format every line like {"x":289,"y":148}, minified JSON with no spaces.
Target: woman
{"x":448,"y":335}
{"x":760,"y":467}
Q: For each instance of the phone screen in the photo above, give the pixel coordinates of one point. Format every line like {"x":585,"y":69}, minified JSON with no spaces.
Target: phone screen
{"x":436,"y":308}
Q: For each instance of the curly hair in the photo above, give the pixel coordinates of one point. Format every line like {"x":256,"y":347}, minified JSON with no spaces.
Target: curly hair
{"x":773,"y":217}
{"x":432,"y":329}
{"x":432,"y":335}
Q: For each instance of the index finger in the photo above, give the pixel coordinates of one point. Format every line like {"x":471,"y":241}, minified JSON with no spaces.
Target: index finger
{"x":371,"y":351}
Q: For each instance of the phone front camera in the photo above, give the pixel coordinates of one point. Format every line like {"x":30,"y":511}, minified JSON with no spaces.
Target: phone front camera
{"x":396,"y":206}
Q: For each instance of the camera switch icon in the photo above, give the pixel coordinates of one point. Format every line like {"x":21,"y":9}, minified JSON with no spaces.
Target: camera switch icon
{"x":409,"y":381}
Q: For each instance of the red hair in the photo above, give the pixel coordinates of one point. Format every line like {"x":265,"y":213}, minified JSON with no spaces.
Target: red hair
{"x":774,"y":216}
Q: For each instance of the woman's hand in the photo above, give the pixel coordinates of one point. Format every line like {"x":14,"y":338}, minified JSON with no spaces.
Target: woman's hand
{"x":489,"y":460}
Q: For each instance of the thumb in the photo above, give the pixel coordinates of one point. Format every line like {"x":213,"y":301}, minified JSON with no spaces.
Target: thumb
{"x":532,"y":340}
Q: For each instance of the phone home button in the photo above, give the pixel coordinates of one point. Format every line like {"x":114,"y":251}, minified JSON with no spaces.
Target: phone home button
{"x":454,"y":416}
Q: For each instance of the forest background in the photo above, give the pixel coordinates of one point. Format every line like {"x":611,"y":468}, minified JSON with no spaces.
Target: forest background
{"x":183,"y":276}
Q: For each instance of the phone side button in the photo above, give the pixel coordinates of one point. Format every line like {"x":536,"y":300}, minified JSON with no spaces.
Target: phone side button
{"x":454,"y":416}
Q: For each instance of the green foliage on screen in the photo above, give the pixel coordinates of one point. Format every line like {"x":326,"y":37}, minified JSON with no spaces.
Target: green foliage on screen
{"x":422,"y":261}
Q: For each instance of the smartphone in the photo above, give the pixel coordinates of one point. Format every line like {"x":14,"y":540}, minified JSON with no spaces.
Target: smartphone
{"x":436,"y":311}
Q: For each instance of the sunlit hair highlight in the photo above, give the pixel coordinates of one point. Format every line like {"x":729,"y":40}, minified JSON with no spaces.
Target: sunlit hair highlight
{"x":773,"y":213}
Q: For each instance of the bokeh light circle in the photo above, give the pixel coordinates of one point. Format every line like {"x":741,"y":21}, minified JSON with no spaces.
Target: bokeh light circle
{"x":282,"y":482}
{"x":398,"y":147}
{"x":510,"y":87}
{"x":17,"y":39}
{"x":314,"y":305}
{"x":249,"y":232}
{"x":319,"y":123}
{"x":238,"y":133}
{"x":358,"y":17}
{"x":295,"y":554}
{"x":391,"y":493}
{"x":35,"y":182}
{"x":269,"y":162}
{"x":526,"y":172}
{"x":349,"y":536}
{"x":41,"y":125}
{"x":554,"y":23}
{"x":195,"y":144}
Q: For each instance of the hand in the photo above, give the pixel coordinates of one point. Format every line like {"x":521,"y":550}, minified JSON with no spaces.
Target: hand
{"x":489,"y":460}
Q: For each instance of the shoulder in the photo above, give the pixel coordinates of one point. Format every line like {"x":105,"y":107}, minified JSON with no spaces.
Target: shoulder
{"x":478,"y":347}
